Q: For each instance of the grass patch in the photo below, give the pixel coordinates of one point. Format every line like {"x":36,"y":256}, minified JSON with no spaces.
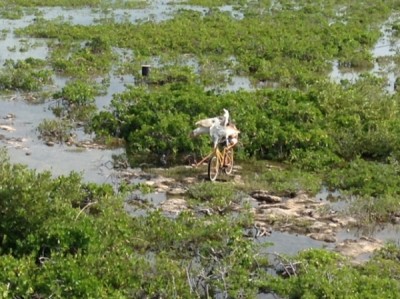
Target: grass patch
{"x":55,"y":130}
{"x":279,"y":178}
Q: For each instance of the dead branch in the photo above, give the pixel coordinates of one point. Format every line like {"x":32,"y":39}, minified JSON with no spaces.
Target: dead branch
{"x":84,"y":208}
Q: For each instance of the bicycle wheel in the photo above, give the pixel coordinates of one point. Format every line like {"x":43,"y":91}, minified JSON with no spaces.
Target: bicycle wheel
{"x":213,"y":168}
{"x":228,"y":161}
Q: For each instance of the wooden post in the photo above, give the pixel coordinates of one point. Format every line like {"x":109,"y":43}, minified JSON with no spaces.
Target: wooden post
{"x":145,"y":70}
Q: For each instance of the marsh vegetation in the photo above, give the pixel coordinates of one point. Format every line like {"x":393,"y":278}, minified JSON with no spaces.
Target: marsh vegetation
{"x":64,"y":238}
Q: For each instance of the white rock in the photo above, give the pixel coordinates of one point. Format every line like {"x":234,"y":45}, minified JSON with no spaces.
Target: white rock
{"x":7,"y":128}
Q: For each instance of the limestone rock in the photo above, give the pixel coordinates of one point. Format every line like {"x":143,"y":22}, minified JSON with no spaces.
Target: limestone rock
{"x":174,"y":205}
{"x":356,"y":248}
{"x":176,"y":191}
{"x":265,"y":196}
{"x":7,"y":128}
{"x":325,"y":237}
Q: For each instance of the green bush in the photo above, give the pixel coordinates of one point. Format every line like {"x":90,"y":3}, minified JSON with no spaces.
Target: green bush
{"x":291,"y":45}
{"x":68,"y":239}
{"x":323,"y":274}
{"x":55,"y":130}
{"x":25,"y":75}
{"x":374,"y":188}
{"x":313,"y":129}
{"x":77,"y":100}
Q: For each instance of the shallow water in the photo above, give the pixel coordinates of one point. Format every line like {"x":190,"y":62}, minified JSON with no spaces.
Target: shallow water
{"x":140,"y":204}
{"x":334,"y":198}
{"x":386,"y":233}
{"x":24,"y":146}
{"x":15,"y":48}
{"x":387,"y":47}
{"x":157,"y":11}
{"x":339,"y":204}
{"x":291,"y":243}
{"x":61,"y":160}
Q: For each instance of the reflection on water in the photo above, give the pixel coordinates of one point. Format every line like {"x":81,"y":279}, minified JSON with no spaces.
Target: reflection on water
{"x":267,"y":296}
{"x":61,"y":160}
{"x":335,"y":199}
{"x":23,"y":144}
{"x":117,"y":84}
{"x":387,"y":45}
{"x":291,"y":244}
{"x":385,"y":233}
{"x":337,"y":74}
{"x":19,"y":48}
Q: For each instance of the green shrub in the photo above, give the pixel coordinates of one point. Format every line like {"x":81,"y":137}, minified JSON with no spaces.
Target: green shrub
{"x":65,"y":238}
{"x":374,"y":187}
{"x":55,"y":130}
{"x":77,"y":100}
{"x":323,"y":274}
{"x":25,"y":75}
{"x":15,"y":13}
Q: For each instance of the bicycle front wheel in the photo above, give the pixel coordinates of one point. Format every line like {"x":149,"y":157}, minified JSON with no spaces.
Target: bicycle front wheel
{"x":213,"y":168}
{"x":228,"y":161}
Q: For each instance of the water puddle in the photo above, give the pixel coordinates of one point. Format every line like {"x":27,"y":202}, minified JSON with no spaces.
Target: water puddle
{"x":24,"y":146}
{"x":117,"y":85}
{"x":291,"y":244}
{"x":385,"y":233}
{"x":384,"y":51}
{"x":22,"y":142}
{"x":61,"y":160}
{"x":268,"y":296}
{"x":334,"y":198}
{"x":338,"y":203}
{"x":15,"y":48}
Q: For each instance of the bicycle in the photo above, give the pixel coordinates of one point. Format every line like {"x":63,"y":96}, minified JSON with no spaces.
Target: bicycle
{"x":220,"y":161}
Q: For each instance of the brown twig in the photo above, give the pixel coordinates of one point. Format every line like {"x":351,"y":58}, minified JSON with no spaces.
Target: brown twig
{"x":288,"y":267}
{"x":84,"y":208}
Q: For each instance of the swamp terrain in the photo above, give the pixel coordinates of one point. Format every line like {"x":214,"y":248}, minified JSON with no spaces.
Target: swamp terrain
{"x":98,"y":195}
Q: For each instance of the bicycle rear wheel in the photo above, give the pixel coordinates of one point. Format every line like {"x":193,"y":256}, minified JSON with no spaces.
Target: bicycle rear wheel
{"x":213,"y":168}
{"x":228,"y":161}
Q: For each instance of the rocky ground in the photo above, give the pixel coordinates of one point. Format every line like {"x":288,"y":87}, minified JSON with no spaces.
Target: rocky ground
{"x":296,"y":213}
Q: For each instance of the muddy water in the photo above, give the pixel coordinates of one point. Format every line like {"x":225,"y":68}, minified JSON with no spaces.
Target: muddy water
{"x":384,"y":51}
{"x":290,"y":244}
